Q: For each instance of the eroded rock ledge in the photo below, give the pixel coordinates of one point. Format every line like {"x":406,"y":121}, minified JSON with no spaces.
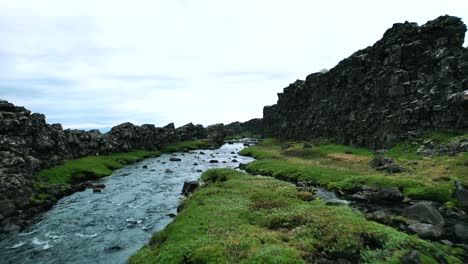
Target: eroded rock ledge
{"x":414,"y":78}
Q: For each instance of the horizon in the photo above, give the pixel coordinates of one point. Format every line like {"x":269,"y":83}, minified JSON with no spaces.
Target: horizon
{"x":88,"y":66}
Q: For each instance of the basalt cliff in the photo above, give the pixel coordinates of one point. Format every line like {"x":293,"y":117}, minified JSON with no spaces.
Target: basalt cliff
{"x":414,"y":79}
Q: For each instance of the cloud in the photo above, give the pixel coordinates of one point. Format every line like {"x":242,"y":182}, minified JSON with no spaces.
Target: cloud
{"x":99,"y":63}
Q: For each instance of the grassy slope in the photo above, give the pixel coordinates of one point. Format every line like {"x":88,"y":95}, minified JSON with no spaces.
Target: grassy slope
{"x":240,"y":218}
{"x":329,"y":166}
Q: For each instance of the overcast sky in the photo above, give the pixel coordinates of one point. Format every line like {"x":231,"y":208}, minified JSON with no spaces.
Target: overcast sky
{"x":95,"y":64}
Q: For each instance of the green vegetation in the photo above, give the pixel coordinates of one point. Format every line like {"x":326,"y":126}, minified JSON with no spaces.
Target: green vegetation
{"x":344,"y":167}
{"x":92,"y":167}
{"x":240,"y":218}
{"x":95,"y":167}
{"x":188,"y":145}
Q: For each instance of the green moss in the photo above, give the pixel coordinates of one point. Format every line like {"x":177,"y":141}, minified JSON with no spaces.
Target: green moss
{"x":328,"y":165}
{"x":188,"y":145}
{"x":404,"y":151}
{"x":92,"y":167}
{"x":240,"y":218}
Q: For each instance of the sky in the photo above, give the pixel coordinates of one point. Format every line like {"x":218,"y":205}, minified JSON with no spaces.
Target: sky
{"x":95,"y":64}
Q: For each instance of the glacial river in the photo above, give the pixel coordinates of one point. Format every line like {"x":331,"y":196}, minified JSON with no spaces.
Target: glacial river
{"x":110,"y":226}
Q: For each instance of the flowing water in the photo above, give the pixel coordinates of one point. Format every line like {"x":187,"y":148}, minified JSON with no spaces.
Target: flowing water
{"x":110,"y":226}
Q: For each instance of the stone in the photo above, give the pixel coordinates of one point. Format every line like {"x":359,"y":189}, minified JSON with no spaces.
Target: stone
{"x":234,"y":161}
{"x":460,"y":230}
{"x":379,"y":216}
{"x":145,"y":166}
{"x":286,"y":146}
{"x":424,"y":213}
{"x":214,"y":161}
{"x":189,"y":187}
{"x":168,"y":171}
{"x":387,"y":164}
{"x":307,"y":146}
{"x":412,"y":257}
{"x":97,"y":190}
{"x":461,"y":194}
{"x":7,"y":207}
{"x":174,"y":159}
{"x":425,"y":230}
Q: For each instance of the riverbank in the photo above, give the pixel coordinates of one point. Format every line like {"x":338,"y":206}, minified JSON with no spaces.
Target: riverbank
{"x":50,"y":185}
{"x":111,"y":225}
{"x":240,"y":218}
{"x":411,"y":209}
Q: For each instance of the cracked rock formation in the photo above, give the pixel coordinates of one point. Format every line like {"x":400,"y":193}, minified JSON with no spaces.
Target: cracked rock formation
{"x":414,"y":78}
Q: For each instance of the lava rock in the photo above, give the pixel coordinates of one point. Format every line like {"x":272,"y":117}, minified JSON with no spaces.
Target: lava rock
{"x":307,"y":146}
{"x":412,"y":257}
{"x":425,"y":230}
{"x":189,"y":187}
{"x":387,"y":164}
{"x":7,"y":207}
{"x":286,"y":146}
{"x":461,"y":194}
{"x":425,"y":213}
{"x":460,"y":230}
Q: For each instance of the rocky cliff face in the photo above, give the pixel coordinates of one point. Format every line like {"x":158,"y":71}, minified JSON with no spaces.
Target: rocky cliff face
{"x":253,"y":126}
{"x":414,"y":78}
{"x":28,"y":144}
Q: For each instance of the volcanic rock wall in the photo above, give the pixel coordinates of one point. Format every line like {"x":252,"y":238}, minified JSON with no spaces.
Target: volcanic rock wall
{"x":414,"y":78}
{"x":28,"y":144}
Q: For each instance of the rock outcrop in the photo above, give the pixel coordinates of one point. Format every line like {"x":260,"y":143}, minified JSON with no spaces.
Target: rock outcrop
{"x":28,"y":144}
{"x":414,"y":78}
{"x":251,"y":127}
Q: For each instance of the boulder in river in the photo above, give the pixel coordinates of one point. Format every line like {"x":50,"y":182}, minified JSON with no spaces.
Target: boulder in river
{"x":214,"y":161}
{"x":174,"y":159}
{"x":97,"y":190}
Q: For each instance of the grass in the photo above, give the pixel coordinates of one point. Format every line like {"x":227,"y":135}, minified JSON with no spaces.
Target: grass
{"x":240,"y":218}
{"x":91,"y":167}
{"x":95,"y":167}
{"x":188,"y":145}
{"x":344,"y":167}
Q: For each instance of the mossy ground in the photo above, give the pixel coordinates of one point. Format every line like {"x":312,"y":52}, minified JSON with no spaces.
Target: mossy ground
{"x":92,"y":167}
{"x":240,"y":218}
{"x":328,"y":165}
{"x":188,"y":145}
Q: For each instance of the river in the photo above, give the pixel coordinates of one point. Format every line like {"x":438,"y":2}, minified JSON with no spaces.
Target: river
{"x":110,"y":226}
